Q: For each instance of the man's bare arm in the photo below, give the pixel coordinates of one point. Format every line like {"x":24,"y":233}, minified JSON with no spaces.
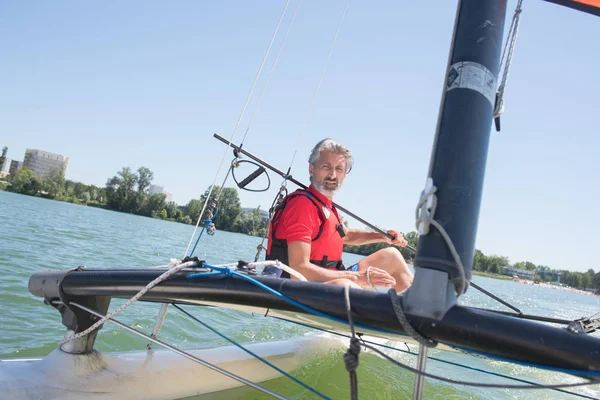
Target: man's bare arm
{"x":359,"y":237}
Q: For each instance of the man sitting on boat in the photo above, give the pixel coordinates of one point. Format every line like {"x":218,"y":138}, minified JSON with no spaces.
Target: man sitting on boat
{"x":307,"y":234}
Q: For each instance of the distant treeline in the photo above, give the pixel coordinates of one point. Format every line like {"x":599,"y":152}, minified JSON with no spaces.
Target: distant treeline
{"x":127,"y":191}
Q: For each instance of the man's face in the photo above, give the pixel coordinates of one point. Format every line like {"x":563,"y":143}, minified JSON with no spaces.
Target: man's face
{"x":328,"y":174}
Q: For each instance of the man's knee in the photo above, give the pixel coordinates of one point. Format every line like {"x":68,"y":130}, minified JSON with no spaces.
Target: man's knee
{"x":391,"y":253}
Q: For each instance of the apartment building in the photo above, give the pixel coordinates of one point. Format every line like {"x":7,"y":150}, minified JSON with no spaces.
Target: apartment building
{"x":42,"y":162}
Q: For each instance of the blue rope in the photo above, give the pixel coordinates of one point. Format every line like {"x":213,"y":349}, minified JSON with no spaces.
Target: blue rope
{"x":439,"y":359}
{"x":197,"y":240}
{"x":227,"y":271}
{"x":207,"y":223}
{"x":298,"y":381}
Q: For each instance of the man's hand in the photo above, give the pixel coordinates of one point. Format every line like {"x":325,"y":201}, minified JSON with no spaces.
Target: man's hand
{"x":376,"y":277}
{"x":398,"y":239}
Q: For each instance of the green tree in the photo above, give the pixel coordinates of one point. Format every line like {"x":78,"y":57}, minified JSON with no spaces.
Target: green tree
{"x":412,"y":238}
{"x":54,"y":183}
{"x":153,"y":204}
{"x":192,"y":209}
{"x":596,"y":281}
{"x":3,"y":156}
{"x":172,"y":209}
{"x":120,"y":191}
{"x":529,"y":266}
{"x":144,"y":179}
{"x":25,"y":182}
{"x":586,"y":281}
{"x":229,"y":207}
{"x":481,"y":262}
{"x":85,"y":197}
{"x":162,"y":214}
{"x":519,"y":265}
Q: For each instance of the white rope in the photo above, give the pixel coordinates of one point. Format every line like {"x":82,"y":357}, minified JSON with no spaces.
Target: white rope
{"x":319,"y":84}
{"x":142,"y":292}
{"x":369,"y":278}
{"x":507,"y":53}
{"x":425,"y":217}
{"x":175,"y":266}
{"x":236,"y":126}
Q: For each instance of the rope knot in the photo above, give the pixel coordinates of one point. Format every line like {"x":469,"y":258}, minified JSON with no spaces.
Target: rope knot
{"x":351,"y":356}
{"x":426,"y":207}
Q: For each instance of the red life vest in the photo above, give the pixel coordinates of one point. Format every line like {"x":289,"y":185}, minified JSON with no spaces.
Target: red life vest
{"x":326,"y":243}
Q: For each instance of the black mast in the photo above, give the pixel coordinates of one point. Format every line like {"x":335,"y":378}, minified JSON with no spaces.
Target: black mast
{"x":459,"y":155}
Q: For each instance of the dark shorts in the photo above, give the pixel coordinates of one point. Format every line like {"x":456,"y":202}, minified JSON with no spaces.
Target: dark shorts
{"x":353,"y":267}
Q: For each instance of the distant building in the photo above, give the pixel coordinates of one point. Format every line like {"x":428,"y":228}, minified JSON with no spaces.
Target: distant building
{"x":156,"y":189}
{"x":43,"y":162}
{"x":14,"y":167}
{"x":5,"y":168}
{"x":521,"y":273}
{"x":10,"y":167}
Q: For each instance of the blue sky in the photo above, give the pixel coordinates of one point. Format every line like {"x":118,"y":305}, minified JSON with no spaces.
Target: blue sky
{"x":115,"y":84}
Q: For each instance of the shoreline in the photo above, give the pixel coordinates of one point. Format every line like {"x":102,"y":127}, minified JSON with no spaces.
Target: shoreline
{"x":554,"y":286}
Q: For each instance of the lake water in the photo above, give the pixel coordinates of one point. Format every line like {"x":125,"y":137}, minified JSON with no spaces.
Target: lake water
{"x":38,"y":234}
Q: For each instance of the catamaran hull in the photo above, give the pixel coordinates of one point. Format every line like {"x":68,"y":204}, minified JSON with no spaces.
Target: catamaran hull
{"x":156,"y":374}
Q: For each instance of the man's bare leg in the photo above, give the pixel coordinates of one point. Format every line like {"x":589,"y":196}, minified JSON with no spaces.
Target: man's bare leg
{"x":390,"y":259}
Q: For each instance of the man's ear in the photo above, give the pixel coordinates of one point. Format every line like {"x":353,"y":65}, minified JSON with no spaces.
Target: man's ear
{"x":311,"y":169}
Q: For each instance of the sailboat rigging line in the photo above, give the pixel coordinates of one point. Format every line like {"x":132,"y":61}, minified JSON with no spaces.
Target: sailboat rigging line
{"x":298,"y":381}
{"x":351,"y":356}
{"x":508,"y":51}
{"x":271,"y":72}
{"x":455,"y":381}
{"x":278,"y":196}
{"x":478,"y":384}
{"x":183,"y":353}
{"x":493,"y":296}
{"x":161,"y":278}
{"x":455,"y":364}
{"x":530,"y":317}
{"x":296,"y":182}
{"x":482,"y":290}
{"x":238,"y":122}
{"x":319,"y":84}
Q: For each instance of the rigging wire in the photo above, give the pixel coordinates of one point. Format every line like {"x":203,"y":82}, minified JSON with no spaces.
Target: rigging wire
{"x":238,"y":123}
{"x":271,"y":72}
{"x":204,"y":324}
{"x":183,"y":353}
{"x":507,"y":53}
{"x":441,"y":360}
{"x":319,"y":84}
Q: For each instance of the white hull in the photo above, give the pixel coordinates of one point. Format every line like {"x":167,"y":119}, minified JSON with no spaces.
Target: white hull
{"x":159,"y":374}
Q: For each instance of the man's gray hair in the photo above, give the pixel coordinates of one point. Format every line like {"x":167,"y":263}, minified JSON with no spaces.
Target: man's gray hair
{"x":333,"y":147}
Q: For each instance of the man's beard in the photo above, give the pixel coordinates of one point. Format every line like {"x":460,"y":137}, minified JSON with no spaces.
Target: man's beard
{"x":325,"y":189}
